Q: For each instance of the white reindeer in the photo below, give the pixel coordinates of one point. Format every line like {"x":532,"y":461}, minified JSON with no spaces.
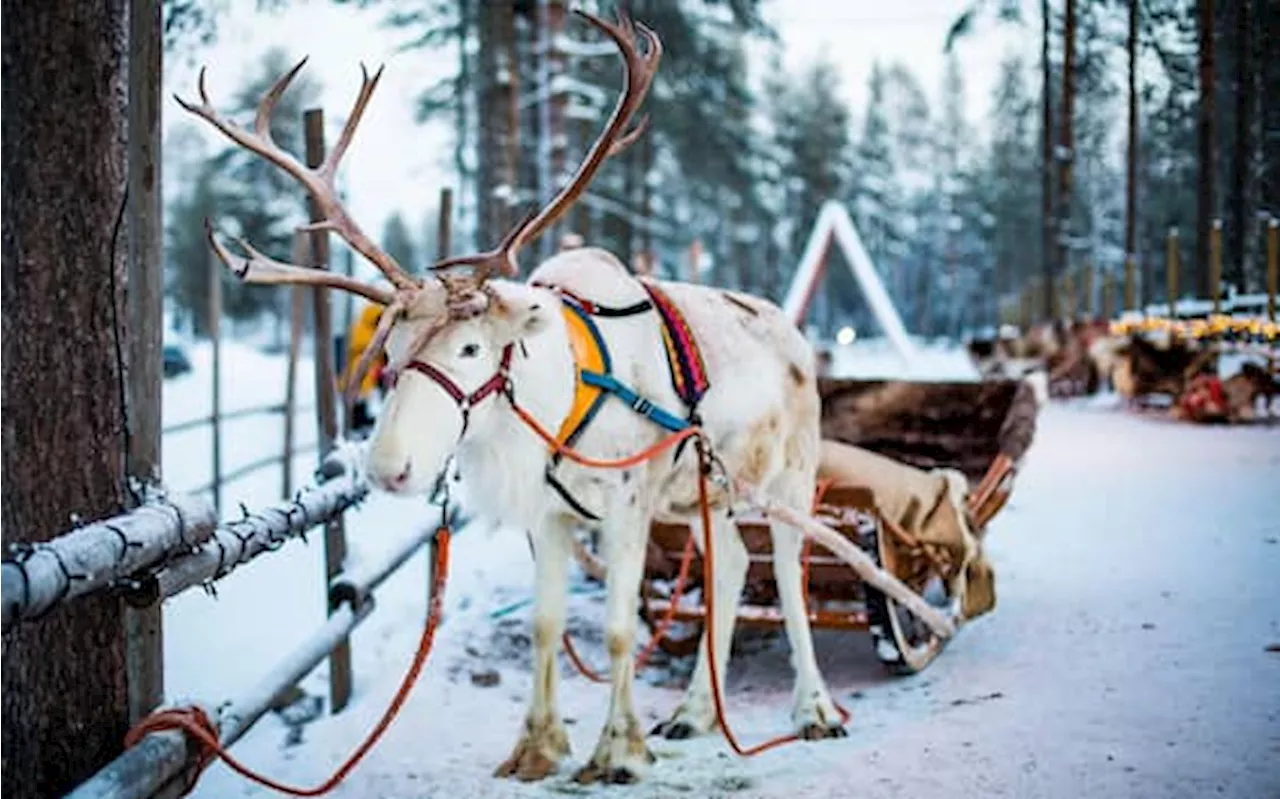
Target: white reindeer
{"x":470,"y":348}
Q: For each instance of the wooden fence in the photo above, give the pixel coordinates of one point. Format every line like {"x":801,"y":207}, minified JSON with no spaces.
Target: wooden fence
{"x":1085,"y":292}
{"x":172,"y":545}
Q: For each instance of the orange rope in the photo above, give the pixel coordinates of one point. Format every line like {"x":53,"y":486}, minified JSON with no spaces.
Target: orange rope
{"x":619,"y":463}
{"x":196,"y":724}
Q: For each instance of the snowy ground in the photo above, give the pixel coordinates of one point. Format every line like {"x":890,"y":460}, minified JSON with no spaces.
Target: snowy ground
{"x":1127,"y":655}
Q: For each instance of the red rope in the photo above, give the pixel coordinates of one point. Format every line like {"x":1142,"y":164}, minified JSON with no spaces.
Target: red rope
{"x":196,"y":724}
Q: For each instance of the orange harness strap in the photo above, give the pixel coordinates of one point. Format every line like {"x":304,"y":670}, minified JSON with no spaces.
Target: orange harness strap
{"x":196,"y":724}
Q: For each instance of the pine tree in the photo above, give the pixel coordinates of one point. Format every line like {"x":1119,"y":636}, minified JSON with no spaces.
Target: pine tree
{"x":397,"y":243}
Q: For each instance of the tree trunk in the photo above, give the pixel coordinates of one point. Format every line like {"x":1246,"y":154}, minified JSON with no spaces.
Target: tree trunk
{"x":64,"y":684}
{"x":1066,"y":144}
{"x":1131,"y":179}
{"x":1268,"y":14}
{"x":499,"y":122}
{"x":1206,"y":205}
{"x":1241,"y":202}
{"x":1047,"y":249}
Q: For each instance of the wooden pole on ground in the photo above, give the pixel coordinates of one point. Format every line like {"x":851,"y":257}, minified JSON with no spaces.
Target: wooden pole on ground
{"x":144,"y":642}
{"x":335,"y":539}
{"x":1171,"y":272}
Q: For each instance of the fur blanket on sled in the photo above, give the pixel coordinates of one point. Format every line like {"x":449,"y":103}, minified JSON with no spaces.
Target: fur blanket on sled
{"x":931,"y":506}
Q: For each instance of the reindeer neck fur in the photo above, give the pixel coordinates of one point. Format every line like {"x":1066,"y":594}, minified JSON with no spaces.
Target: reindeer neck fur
{"x":500,"y":464}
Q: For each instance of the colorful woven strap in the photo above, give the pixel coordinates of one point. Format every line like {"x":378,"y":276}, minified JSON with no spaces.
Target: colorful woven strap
{"x":688,"y":371}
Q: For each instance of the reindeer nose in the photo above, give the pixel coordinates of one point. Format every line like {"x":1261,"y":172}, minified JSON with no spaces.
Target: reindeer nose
{"x":396,"y":482}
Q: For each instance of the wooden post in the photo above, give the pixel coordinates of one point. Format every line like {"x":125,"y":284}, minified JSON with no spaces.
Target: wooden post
{"x":1215,"y":265}
{"x":1026,"y":306}
{"x":1068,"y":295}
{"x":444,"y":227}
{"x":297,"y":310}
{"x":1087,"y":304}
{"x":215,"y":341}
{"x":1171,"y":272}
{"x":1273,"y":258}
{"x":1108,"y":309}
{"x":335,"y":540}
{"x":144,"y":642}
{"x":1130,"y":282}
{"x":695,"y":260}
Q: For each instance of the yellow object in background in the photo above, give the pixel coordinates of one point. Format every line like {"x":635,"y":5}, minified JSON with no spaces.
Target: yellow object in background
{"x":358,"y":339}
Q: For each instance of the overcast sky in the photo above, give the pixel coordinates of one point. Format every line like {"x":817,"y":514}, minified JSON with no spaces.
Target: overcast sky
{"x":398,"y":165}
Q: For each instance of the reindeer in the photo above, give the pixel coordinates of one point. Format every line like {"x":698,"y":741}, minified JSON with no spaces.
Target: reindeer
{"x":474,"y":348}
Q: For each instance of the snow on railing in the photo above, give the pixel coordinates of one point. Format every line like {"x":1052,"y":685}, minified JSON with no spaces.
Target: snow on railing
{"x":160,"y":760}
{"x":169,"y":544}
{"x":38,"y":577}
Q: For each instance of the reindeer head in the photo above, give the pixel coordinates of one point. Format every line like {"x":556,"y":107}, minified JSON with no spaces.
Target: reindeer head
{"x":448,"y":336}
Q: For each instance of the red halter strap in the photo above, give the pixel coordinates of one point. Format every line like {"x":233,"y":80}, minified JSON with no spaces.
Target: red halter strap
{"x":501,"y":381}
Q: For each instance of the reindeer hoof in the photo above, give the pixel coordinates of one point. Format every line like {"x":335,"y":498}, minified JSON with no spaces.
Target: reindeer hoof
{"x":610,"y":776}
{"x":536,"y":754}
{"x":528,"y":767}
{"x":819,"y":732}
{"x":674,"y":730}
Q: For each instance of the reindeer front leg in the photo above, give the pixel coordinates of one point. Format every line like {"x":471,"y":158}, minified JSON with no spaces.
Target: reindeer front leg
{"x":621,"y":755}
{"x":543,"y":742}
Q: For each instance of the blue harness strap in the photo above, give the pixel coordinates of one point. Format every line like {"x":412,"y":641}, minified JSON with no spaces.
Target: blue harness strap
{"x":639,"y":404}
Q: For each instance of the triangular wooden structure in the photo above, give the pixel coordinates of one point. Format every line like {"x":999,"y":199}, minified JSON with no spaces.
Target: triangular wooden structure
{"x":834,"y":224}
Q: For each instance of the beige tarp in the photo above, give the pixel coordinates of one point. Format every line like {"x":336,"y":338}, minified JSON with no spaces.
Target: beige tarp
{"x":930,"y":506}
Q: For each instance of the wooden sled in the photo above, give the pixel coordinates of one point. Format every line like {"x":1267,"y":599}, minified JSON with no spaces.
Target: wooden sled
{"x":981,"y":429}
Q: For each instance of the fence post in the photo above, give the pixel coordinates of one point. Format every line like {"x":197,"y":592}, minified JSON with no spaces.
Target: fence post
{"x":144,"y":641}
{"x":335,"y":539}
{"x":1130,"y":282}
{"x":1068,"y":295}
{"x":1108,"y":312}
{"x":695,"y":259}
{"x":1273,"y":265}
{"x":1087,"y":304}
{"x":297,"y":309}
{"x":1215,"y":265}
{"x":215,"y":341}
{"x":444,"y":245}
{"x":1171,"y":272}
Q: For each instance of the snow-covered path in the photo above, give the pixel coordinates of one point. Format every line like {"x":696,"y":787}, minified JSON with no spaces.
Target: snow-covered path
{"x":1139,"y":589}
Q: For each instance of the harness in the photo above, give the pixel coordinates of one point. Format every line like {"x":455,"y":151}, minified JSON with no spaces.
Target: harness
{"x":594,"y":381}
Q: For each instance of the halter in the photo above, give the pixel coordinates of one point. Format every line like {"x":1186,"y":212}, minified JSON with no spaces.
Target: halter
{"x":499,"y":382}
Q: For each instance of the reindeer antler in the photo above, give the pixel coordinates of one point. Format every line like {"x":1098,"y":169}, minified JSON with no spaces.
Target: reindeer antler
{"x":638,"y":71}
{"x":318,"y":182}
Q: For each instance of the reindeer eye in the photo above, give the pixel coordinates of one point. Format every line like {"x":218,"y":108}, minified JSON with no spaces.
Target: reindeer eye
{"x":470,"y":350}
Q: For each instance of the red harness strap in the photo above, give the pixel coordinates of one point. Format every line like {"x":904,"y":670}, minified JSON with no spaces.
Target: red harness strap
{"x":500,"y":381}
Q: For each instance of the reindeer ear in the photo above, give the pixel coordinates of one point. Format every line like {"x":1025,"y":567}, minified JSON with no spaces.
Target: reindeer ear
{"x":521,"y":316}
